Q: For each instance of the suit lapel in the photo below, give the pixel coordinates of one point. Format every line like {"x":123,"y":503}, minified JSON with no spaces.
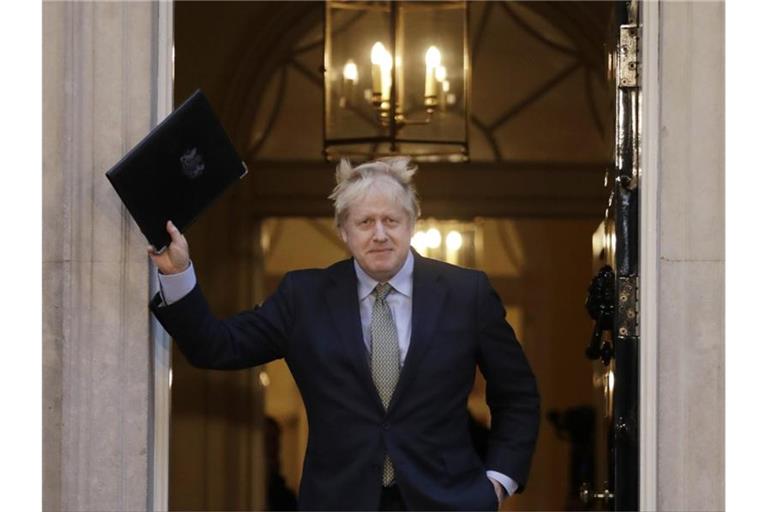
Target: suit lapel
{"x":344,"y":308}
{"x":428,"y":296}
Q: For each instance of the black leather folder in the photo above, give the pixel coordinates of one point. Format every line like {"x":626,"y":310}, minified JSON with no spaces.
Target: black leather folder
{"x":177,"y":170}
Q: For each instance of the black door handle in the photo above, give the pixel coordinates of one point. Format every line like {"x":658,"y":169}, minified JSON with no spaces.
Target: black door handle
{"x":601,"y":297}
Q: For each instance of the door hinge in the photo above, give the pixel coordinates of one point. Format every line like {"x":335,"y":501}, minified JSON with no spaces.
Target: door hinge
{"x":627,"y":317}
{"x":628,"y":68}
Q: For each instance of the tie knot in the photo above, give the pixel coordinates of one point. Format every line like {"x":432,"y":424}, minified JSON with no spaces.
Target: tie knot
{"x":382,"y":290}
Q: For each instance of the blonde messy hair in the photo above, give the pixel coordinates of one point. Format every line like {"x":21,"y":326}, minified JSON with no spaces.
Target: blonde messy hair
{"x":391,"y":175}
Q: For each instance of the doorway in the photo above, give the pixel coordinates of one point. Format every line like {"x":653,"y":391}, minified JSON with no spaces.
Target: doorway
{"x":540,"y":143}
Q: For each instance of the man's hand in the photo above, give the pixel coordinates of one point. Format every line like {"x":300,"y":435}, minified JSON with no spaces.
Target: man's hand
{"x":175,"y":258}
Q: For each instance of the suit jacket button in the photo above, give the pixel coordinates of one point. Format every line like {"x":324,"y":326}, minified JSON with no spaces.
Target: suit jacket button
{"x":386,"y":426}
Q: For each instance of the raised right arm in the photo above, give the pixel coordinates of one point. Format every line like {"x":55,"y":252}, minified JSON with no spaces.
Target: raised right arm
{"x":250,"y":338}
{"x":247,"y":339}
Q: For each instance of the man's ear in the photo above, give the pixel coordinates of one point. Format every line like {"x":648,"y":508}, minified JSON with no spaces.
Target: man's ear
{"x":343,"y":234}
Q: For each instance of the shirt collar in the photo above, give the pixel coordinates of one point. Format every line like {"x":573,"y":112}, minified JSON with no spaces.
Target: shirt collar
{"x":402,"y":282}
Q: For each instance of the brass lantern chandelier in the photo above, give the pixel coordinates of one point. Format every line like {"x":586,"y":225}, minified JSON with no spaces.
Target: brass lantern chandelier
{"x":396,"y":80}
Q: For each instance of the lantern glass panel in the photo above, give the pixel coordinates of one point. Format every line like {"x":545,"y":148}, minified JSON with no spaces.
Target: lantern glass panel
{"x":353,"y":28}
{"x":423,"y":25}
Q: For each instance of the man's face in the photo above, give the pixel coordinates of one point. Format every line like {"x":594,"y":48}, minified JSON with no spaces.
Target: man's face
{"x":378,"y":232}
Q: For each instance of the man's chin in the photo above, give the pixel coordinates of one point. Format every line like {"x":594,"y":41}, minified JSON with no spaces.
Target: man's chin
{"x":381,"y":259}
{"x":380,"y":271}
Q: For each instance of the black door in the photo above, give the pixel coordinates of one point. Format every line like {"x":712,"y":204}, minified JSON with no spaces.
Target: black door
{"x":613,"y":297}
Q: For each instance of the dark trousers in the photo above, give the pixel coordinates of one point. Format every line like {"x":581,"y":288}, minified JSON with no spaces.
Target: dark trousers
{"x":391,"y":499}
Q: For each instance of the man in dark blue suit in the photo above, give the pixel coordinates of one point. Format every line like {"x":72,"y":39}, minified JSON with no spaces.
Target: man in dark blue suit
{"x":383,"y":347}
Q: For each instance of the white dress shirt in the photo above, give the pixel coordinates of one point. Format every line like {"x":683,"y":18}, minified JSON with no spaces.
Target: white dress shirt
{"x":400,"y":301}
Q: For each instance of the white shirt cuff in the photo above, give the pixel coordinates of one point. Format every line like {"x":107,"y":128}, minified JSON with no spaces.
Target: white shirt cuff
{"x":507,"y":483}
{"x":174,"y":287}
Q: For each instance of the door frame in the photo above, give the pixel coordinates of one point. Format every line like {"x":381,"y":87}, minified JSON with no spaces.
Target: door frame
{"x":649,"y":261}
{"x":649,"y":252}
{"x":160,"y":341}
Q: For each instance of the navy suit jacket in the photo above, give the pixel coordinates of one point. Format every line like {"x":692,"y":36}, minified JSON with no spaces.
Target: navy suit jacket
{"x":313,"y":321}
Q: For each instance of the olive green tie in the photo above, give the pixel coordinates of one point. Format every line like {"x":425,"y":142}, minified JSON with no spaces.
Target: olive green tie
{"x":385,"y":358}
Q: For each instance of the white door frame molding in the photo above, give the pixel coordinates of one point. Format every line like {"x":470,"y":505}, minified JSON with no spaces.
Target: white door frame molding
{"x":161,"y":342}
{"x":649,"y":252}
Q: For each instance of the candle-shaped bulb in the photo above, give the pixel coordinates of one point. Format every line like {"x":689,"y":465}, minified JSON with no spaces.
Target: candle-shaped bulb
{"x":349,"y":83}
{"x":419,"y":242}
{"x":380,"y":56}
{"x":453,"y":240}
{"x":386,"y":77}
{"x":381,"y":61}
{"x":433,"y":238}
{"x":350,"y":71}
{"x":433,"y":57}
{"x":440,"y":73}
{"x":377,"y":53}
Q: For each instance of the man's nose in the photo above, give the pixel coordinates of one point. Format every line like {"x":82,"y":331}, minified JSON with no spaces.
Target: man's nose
{"x":379,"y":233}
